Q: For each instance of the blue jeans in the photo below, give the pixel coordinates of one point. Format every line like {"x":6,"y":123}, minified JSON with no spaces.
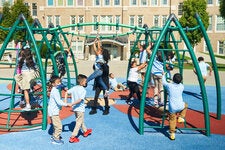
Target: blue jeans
{"x":98,"y":75}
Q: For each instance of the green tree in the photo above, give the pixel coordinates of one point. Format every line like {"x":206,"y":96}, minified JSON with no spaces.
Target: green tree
{"x":10,"y":15}
{"x":190,"y":7}
{"x":6,"y":21}
{"x":16,"y":10}
{"x":222,"y":8}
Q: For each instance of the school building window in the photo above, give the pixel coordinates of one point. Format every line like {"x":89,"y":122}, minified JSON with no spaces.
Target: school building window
{"x":140,"y":21}
{"x":96,"y":2}
{"x":220,"y":24}
{"x":95,"y":19}
{"x":164,"y":19}
{"x":144,"y":3}
{"x":180,"y":9}
{"x":210,"y":2}
{"x":60,"y":3}
{"x":133,"y":2}
{"x":116,"y":2}
{"x":210,"y":24}
{"x":73,"y":21}
{"x":131,"y":21}
{"x":57,"y":21}
{"x":34,"y":9}
{"x":164,"y":2}
{"x":221,"y":47}
{"x":106,"y":2}
{"x":117,"y":20}
{"x":49,"y":20}
{"x":70,"y":3}
{"x":50,"y":2}
{"x":156,"y":21}
{"x":154,"y":2}
{"x":80,"y":2}
{"x":81,"y":20}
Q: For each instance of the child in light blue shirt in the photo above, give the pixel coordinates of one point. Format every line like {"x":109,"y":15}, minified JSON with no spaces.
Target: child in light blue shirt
{"x":78,"y":94}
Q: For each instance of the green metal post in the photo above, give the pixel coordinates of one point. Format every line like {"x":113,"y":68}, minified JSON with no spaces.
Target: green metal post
{"x":200,"y":79}
{"x":214,"y":65}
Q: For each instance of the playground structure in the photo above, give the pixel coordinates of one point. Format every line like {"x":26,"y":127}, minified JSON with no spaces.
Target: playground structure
{"x":157,"y":36}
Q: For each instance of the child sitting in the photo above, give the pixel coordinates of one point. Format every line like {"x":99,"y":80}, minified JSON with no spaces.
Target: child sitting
{"x":114,"y":84}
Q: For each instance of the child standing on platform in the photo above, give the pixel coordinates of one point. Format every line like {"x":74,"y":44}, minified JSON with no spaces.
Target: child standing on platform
{"x":78,"y":94}
{"x":54,"y":107}
{"x":176,"y":103}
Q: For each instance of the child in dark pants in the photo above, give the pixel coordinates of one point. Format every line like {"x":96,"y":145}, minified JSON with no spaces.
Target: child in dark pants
{"x":132,"y":80}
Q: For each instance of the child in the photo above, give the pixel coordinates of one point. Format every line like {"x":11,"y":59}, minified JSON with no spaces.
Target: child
{"x":157,"y":69}
{"x":204,"y":68}
{"x":176,"y":103}
{"x":54,"y":106}
{"x":142,"y":59}
{"x":133,"y":78}
{"x":102,"y":57}
{"x":114,"y":84}
{"x":78,"y":94}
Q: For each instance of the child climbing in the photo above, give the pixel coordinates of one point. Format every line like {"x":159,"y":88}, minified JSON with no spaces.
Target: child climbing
{"x":102,"y":57}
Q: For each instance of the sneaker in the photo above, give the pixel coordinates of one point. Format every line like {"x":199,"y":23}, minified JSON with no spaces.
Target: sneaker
{"x":74,"y":140}
{"x":57,"y":142}
{"x":52,"y":138}
{"x":172,"y":136}
{"x":88,"y":132}
{"x":92,"y":112}
{"x":22,"y":104}
{"x":27,"y":108}
{"x":180,"y":120}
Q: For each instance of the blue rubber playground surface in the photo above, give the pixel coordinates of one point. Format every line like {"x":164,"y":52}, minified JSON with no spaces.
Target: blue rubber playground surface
{"x":119,"y":131}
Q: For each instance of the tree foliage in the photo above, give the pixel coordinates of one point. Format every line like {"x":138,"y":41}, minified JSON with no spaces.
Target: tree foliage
{"x":10,"y":15}
{"x":190,"y":8}
{"x":222,"y":8}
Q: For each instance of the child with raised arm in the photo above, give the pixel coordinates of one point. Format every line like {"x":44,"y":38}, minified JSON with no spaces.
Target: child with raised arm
{"x":176,"y":103}
{"x":133,"y":79}
{"x":102,"y":57}
{"x":78,"y":94}
{"x":54,"y":106}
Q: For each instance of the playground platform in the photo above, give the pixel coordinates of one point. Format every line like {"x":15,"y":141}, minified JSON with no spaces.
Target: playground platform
{"x":119,"y":129}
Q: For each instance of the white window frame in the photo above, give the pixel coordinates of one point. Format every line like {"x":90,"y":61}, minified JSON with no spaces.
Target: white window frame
{"x":218,"y":16}
{"x":210,"y":24}
{"x":161,"y":3}
{"x":53,"y":3}
{"x":154,"y":17}
{"x":51,"y":20}
{"x":154,"y":5}
{"x":79,"y":5}
{"x":104,"y":3}
{"x":71,"y":22}
{"x":81,"y":28}
{"x":57,"y":2}
{"x":69,"y":5}
{"x":142,"y":20}
{"x":94,"y":28}
{"x":131,"y":3}
{"x":115,"y":4}
{"x":164,"y":17}
{"x":94,"y":3}
{"x":59,"y":20}
{"x":209,"y":4}
{"x":218,"y":50}
{"x":141,"y":3}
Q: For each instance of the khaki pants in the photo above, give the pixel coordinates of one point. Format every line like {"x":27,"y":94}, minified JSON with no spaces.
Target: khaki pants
{"x":158,"y":90}
{"x":173,"y":118}
{"x":57,"y":124}
{"x":79,"y":123}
